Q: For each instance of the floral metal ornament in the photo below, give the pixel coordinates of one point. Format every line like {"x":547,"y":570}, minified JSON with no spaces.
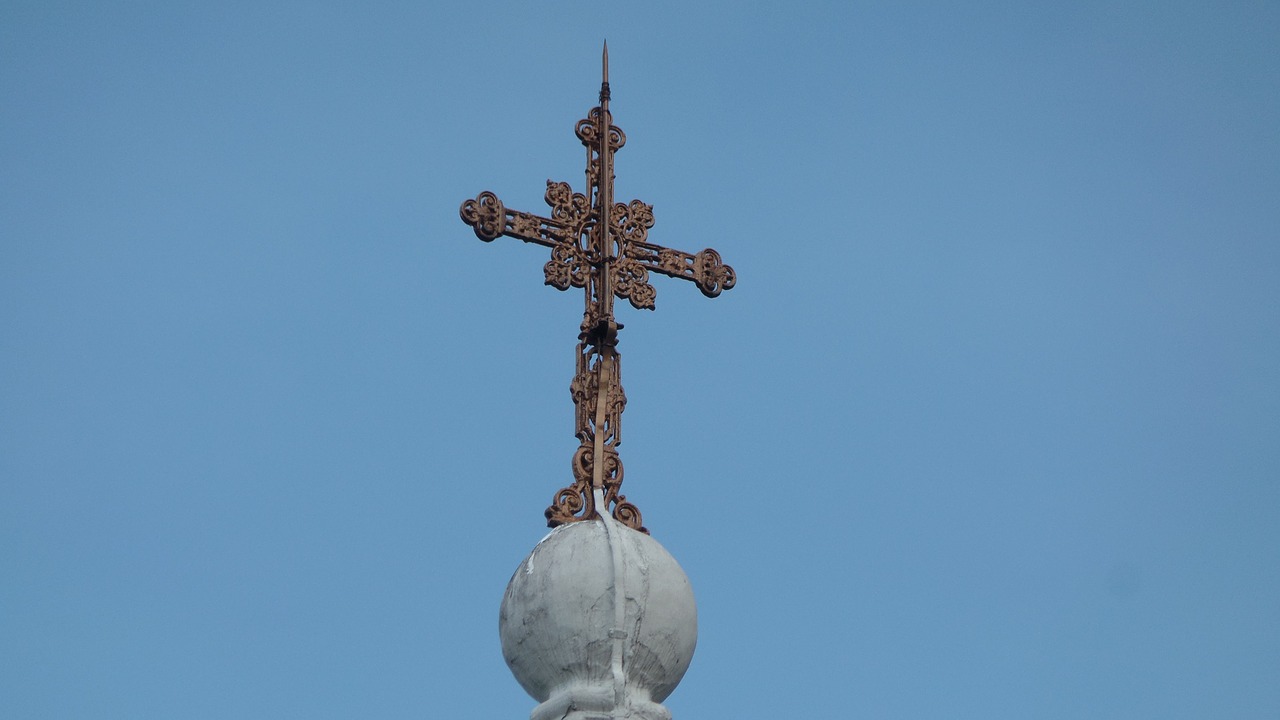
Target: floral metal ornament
{"x":602,"y":247}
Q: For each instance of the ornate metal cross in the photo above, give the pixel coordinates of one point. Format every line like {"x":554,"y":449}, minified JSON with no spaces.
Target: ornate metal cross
{"x":603,"y":248}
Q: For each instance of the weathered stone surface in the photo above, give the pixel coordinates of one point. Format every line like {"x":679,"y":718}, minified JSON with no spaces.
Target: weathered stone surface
{"x":598,"y":622}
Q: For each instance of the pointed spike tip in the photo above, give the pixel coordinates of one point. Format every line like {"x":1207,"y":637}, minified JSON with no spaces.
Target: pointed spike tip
{"x":606,"y":61}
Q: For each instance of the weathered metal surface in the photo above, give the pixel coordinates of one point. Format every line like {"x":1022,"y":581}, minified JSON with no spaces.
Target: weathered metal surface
{"x":602,"y":247}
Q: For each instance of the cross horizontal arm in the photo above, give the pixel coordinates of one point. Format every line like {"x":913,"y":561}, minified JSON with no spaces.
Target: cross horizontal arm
{"x":568,"y":266}
{"x":489,"y":218}
{"x":705,"y":269}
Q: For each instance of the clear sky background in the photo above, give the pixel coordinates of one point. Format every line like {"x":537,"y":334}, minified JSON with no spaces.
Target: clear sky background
{"x":990,"y":427}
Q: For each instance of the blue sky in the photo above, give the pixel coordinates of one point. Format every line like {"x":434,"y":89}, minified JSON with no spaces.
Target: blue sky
{"x":989,"y":428}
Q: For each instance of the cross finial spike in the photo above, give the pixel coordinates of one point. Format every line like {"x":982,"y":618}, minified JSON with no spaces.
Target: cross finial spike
{"x":604,"y":83}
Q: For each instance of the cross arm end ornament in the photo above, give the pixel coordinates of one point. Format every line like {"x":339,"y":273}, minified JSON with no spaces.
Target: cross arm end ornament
{"x":489,"y":218}
{"x":704,"y":269}
{"x":568,"y":266}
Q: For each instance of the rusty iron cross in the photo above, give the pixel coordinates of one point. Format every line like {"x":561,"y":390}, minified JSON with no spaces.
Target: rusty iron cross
{"x":602,"y":247}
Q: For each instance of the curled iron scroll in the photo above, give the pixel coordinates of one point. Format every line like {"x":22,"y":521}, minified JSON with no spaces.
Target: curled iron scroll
{"x":485,"y":215}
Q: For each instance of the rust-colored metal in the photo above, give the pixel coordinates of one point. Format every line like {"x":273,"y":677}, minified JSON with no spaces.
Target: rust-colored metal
{"x":602,"y":247}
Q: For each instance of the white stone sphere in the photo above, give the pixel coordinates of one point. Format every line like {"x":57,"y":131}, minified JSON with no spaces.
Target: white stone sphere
{"x":560,"y":627}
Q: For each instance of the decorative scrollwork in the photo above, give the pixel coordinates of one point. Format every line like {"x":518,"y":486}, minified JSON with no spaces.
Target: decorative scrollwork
{"x":631,"y":281}
{"x":567,"y":267}
{"x":593,"y":171}
{"x":571,"y":504}
{"x":582,"y":390}
{"x":617,"y":138}
{"x":525,"y":225}
{"x":567,"y":207}
{"x":628,"y":514}
{"x":713,"y":275}
{"x":576,"y":502}
{"x":586,"y":127}
{"x":705,"y":269}
{"x":633,"y":220}
{"x":588,"y":130}
{"x":674,"y":262}
{"x":485,"y":215}
{"x":584,"y":465}
{"x":615,"y":402}
{"x":595,"y":370}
